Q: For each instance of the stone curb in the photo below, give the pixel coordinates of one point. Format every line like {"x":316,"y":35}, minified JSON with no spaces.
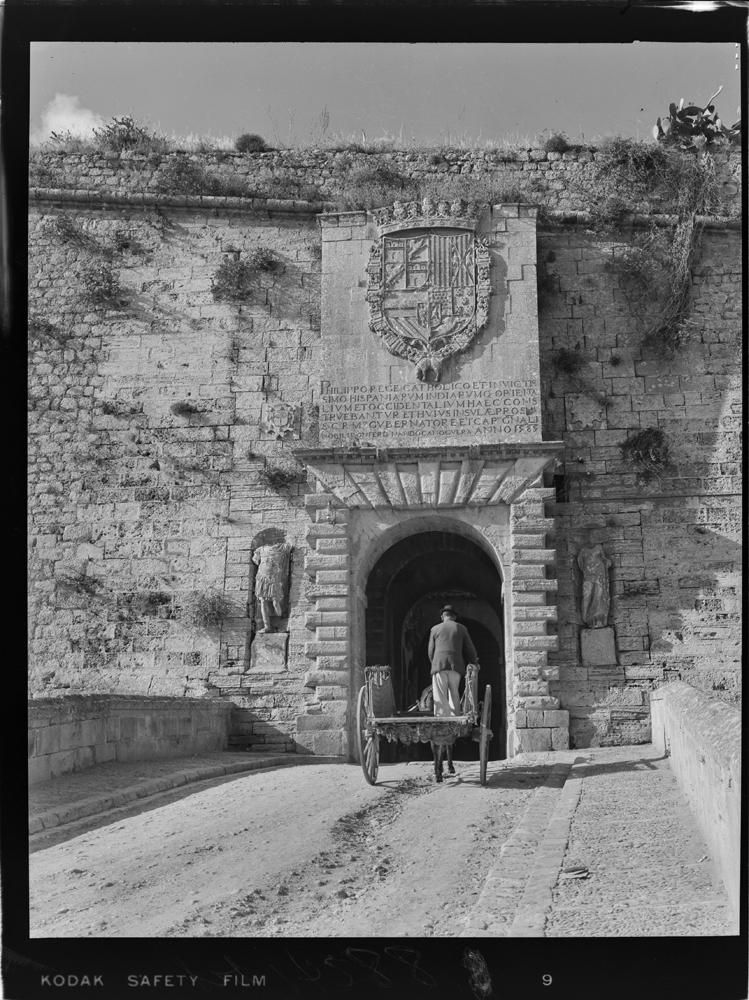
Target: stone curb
{"x":496,"y":913}
{"x":96,"y":804}
{"x":536,"y":901}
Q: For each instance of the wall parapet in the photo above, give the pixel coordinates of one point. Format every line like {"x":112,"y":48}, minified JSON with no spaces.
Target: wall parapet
{"x":561,"y":180}
{"x":703,"y":739}
{"x":74,"y":732}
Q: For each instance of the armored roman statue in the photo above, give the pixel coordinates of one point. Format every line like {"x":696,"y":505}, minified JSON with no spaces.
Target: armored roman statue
{"x":271,"y":580}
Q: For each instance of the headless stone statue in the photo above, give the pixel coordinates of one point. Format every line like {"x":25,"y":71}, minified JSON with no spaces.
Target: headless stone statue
{"x":271,"y":580}
{"x":594,"y":565}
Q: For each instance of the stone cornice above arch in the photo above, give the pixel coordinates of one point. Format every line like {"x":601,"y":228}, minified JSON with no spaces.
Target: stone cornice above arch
{"x":431,"y":478}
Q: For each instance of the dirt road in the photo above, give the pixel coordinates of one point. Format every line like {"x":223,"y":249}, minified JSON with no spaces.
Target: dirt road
{"x":303,"y":851}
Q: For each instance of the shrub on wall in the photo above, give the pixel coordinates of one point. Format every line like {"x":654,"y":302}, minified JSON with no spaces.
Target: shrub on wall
{"x":149,"y":603}
{"x":233,"y":281}
{"x":557,"y":142}
{"x":125,"y":134}
{"x":647,"y":451}
{"x":76,"y":581}
{"x":42,"y":329}
{"x":183,"y":408}
{"x":687,"y":184}
{"x":277,"y":477}
{"x":69,"y":232}
{"x":372,"y":187}
{"x":100,"y":285}
{"x":183,"y":176}
{"x":265,"y":260}
{"x":204,"y":608}
{"x":249,"y":142}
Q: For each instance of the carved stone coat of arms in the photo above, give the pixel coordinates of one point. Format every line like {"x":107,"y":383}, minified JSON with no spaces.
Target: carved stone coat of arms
{"x":429,"y":282}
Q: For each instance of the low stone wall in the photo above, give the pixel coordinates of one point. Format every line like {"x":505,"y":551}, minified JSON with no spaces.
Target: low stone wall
{"x":72,"y":733}
{"x":703,"y":738}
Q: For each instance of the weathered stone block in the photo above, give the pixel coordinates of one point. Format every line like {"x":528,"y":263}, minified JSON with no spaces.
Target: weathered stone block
{"x":330,"y":743}
{"x":529,"y":627}
{"x":48,"y":740}
{"x":332,"y":663}
{"x":534,"y":687}
{"x":535,"y":718}
{"x":532,"y":740}
{"x":560,"y":738}
{"x":315,"y":723}
{"x":556,"y":717}
{"x":526,"y":571}
{"x":268,"y":653}
{"x":544,"y":612}
{"x":538,"y":583}
{"x":314,"y":678}
{"x":530,"y":658}
{"x":329,"y":648}
{"x":332,"y":692}
{"x":39,"y":769}
{"x":598,"y":646}
{"x":315,"y":563}
{"x":325,"y":632}
{"x":105,"y":752}
{"x":536,"y":642}
{"x":537,"y":701}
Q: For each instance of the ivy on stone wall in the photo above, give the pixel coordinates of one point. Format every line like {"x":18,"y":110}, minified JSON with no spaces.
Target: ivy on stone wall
{"x":686,"y":181}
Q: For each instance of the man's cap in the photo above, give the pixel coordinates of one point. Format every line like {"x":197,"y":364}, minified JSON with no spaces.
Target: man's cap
{"x":448,"y":607}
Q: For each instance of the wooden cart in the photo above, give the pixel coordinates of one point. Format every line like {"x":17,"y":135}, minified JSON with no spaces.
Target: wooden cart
{"x":376,"y":719}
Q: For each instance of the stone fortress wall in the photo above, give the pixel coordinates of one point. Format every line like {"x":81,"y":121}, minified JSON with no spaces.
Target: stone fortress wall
{"x":161,"y":432}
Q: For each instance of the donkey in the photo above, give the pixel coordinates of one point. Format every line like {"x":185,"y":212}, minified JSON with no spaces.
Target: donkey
{"x":425,"y":705}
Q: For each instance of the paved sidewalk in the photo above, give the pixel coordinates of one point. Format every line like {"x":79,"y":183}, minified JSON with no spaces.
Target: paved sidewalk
{"x":607,"y":847}
{"x":104,"y":787}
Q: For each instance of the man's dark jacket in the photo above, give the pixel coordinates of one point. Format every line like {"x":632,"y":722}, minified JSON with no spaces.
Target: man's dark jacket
{"x":450,"y":647}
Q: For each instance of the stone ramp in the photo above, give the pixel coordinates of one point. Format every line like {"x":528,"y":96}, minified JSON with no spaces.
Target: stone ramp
{"x":607,"y":847}
{"x":104,"y":788}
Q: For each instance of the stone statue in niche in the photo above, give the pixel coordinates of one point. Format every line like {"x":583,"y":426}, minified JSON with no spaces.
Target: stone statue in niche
{"x":594,"y":565}
{"x":272,"y":579}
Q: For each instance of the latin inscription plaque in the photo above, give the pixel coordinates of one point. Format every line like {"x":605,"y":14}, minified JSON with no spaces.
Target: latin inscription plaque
{"x":476,"y":411}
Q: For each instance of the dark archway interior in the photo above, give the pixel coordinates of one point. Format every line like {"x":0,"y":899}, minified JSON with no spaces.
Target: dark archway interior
{"x":405,"y":591}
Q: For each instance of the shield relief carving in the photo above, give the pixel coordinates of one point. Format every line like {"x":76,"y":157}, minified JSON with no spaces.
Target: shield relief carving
{"x":429,"y":282}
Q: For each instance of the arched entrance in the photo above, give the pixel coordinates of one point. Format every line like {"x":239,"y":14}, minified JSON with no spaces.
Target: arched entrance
{"x":405,"y":591}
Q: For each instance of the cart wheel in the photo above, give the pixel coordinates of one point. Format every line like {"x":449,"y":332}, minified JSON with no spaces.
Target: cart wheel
{"x":369,"y":745}
{"x":485,"y":734}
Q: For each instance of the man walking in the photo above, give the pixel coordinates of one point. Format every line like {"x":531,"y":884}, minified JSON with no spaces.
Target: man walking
{"x":450,"y":648}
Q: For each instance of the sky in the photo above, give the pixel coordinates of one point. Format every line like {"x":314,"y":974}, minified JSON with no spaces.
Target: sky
{"x":426,"y":93}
